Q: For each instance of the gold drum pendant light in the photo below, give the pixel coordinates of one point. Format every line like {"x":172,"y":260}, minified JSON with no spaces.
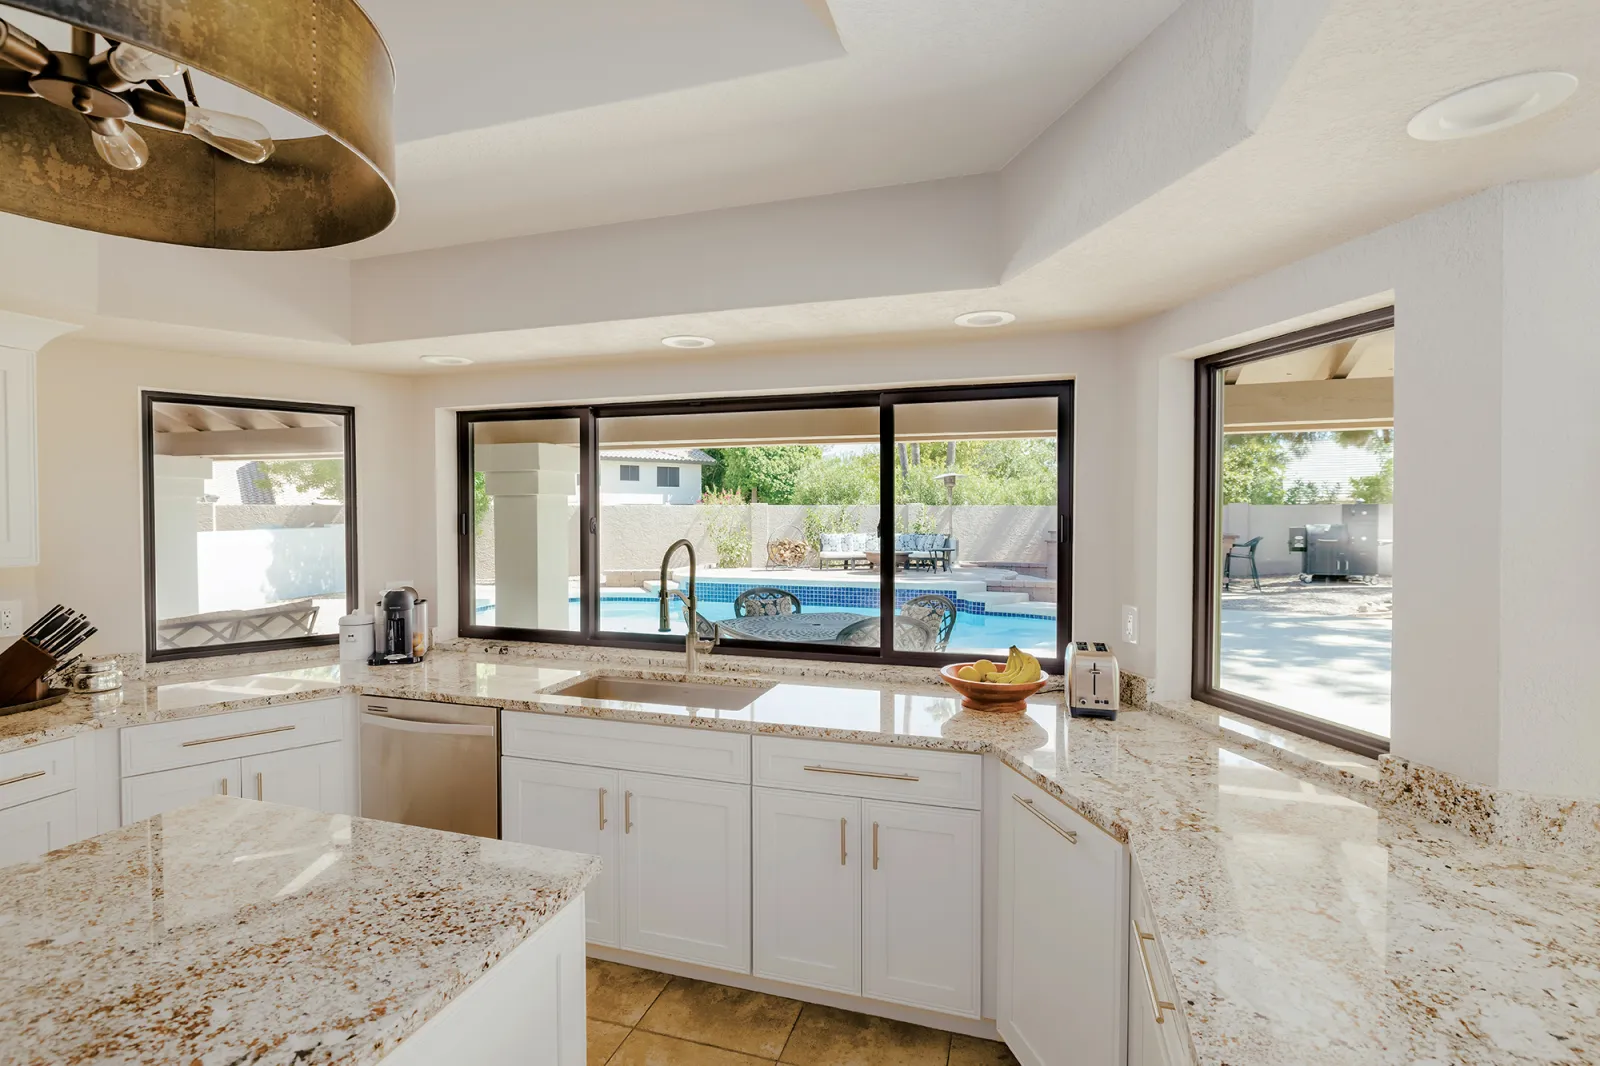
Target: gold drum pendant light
{"x":86,"y":141}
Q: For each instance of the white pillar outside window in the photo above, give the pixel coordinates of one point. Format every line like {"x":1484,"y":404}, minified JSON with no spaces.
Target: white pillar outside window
{"x":532,"y":486}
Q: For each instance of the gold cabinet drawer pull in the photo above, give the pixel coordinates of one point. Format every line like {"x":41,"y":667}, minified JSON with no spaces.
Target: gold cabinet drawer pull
{"x":1161,"y":1005}
{"x":23,"y":777}
{"x":844,"y":856}
{"x":602,"y":808}
{"x":224,"y":786}
{"x":237,"y":736}
{"x":862,"y":773}
{"x":1027,"y":804}
{"x":874,"y":845}
{"x":627,"y":812}
{"x":261,"y":792}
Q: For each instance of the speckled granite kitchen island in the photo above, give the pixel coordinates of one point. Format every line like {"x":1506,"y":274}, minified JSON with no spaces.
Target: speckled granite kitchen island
{"x":237,"y":931}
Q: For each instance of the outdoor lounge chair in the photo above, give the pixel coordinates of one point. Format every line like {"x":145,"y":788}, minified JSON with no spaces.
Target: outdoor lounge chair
{"x":935,"y":551}
{"x":1244,"y":551}
{"x":846,"y":549}
{"x":297,"y":618}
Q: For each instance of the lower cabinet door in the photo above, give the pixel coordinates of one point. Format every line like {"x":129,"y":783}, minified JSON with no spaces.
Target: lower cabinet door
{"x":148,"y":795}
{"x":686,"y":869}
{"x":922,"y":916}
{"x":314,"y":777}
{"x":807,"y":881}
{"x":1061,"y":989}
{"x":574,"y":808}
{"x":28,"y":830}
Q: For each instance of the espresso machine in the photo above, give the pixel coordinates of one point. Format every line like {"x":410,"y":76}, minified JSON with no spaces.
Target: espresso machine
{"x":400,"y":627}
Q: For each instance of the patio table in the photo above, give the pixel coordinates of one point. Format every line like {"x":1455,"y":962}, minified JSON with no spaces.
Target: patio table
{"x":822,"y":626}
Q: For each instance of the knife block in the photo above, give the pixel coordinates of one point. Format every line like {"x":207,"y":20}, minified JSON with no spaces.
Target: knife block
{"x":22,"y":670}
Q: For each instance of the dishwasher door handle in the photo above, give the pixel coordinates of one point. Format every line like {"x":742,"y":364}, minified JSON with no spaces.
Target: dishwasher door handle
{"x":407,"y":725}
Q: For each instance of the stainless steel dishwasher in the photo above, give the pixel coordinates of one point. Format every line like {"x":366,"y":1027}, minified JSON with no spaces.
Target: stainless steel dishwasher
{"x":431,"y":764}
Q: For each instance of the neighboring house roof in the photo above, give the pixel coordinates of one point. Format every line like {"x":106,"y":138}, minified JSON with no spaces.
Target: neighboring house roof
{"x":1330,"y":462}
{"x":254,"y":487}
{"x":693,"y":456}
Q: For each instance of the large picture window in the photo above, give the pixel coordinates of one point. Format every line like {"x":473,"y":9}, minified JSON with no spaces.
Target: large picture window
{"x":1294,"y":599}
{"x":919,"y":526}
{"x":249,"y":512}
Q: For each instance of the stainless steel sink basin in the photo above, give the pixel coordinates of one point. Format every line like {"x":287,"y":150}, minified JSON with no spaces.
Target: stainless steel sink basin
{"x":734,"y":697}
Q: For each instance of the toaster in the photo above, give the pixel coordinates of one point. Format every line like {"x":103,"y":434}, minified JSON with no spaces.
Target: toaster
{"x":1094,"y":684}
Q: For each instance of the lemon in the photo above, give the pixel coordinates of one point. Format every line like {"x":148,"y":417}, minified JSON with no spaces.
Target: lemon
{"x":984,"y":666}
{"x":967,"y":673}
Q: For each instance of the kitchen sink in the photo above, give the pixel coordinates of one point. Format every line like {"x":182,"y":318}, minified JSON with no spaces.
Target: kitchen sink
{"x":735,"y":697}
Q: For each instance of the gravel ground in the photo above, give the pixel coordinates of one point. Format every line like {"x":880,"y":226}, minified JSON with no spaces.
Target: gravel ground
{"x":1288,"y":594}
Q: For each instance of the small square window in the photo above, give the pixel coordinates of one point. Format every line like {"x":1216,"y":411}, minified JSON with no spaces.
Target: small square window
{"x":628,"y":473}
{"x":666,"y":477}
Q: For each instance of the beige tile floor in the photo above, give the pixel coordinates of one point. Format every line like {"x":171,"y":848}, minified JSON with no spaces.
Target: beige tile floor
{"x":643,"y":1018}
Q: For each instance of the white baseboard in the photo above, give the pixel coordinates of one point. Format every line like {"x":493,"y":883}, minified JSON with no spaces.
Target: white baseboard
{"x":983,"y":1028}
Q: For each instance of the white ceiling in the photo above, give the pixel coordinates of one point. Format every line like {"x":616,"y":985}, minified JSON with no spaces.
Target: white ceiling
{"x":1127,"y":162}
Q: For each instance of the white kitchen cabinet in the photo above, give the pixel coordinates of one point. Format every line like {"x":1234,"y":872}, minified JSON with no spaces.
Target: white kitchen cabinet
{"x":1062,"y":982}
{"x":1157,"y":1032}
{"x":807,"y":887}
{"x":148,"y":795}
{"x":28,"y":830}
{"x":922,"y":906}
{"x":573,"y":808}
{"x":685,"y":859}
{"x":316,"y":777}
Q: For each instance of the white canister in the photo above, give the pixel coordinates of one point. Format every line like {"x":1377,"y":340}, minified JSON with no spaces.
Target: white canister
{"x":355,"y":637}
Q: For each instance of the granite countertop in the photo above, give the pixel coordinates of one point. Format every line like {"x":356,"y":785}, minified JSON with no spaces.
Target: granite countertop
{"x":239,"y":931}
{"x":1305,"y":923}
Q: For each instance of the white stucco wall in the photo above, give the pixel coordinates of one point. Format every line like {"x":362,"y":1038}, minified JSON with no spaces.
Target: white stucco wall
{"x":612,"y":486}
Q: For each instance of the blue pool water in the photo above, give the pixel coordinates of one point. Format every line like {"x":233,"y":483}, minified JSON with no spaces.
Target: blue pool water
{"x":974,"y":632}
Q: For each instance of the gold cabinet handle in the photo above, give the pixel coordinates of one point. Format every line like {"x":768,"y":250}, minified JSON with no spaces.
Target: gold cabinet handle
{"x":224,"y":786}
{"x":861,"y":773}
{"x":1027,"y":804}
{"x":602,"y":808}
{"x":844,"y":856}
{"x":261,"y":792}
{"x":627,"y":812}
{"x":874,"y":845}
{"x":237,"y":736}
{"x":1161,"y":1005}
{"x":22,"y":777}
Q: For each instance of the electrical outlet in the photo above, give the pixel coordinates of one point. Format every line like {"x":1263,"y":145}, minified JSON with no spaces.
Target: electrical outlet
{"x":10,"y":618}
{"x":1130,"y":624}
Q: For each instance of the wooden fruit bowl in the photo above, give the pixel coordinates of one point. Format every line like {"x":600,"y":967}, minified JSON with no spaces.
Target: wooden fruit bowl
{"x":991,"y":696}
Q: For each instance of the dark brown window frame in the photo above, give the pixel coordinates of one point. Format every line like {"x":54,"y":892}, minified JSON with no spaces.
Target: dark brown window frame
{"x":589,"y":632}
{"x":1208,"y":525}
{"x":147,"y":401}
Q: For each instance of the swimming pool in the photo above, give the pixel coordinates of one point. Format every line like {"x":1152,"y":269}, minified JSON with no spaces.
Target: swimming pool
{"x":973,"y":632}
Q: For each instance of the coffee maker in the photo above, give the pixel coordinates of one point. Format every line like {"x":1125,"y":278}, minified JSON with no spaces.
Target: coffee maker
{"x":400,"y":629}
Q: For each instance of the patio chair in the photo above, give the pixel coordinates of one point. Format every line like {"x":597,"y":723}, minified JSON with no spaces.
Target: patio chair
{"x":846,"y":549}
{"x":936,"y":612}
{"x":909,"y":634}
{"x":1244,"y":551}
{"x":765,"y":601}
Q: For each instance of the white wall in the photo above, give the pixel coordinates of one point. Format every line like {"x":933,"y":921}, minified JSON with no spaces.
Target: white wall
{"x":89,"y":465}
{"x":614,"y":490}
{"x":1495,"y":374}
{"x":1089,"y":357}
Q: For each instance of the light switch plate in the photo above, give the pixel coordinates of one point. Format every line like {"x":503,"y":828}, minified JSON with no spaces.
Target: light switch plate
{"x":1130,"y":624}
{"x":10,"y":618}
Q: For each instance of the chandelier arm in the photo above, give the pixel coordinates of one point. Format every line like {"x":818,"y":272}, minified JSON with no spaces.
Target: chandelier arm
{"x":21,"y":50}
{"x":158,"y":110}
{"x":14,"y":83}
{"x":82,"y":42}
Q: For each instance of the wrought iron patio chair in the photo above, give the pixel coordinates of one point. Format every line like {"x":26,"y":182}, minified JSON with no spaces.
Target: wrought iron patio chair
{"x":765,"y":601}
{"x":1248,"y":550}
{"x":936,"y":612}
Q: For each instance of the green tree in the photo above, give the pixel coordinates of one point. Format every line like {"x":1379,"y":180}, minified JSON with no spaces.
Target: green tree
{"x":839,"y":480}
{"x":322,"y":476}
{"x":763,"y":474}
{"x":1253,"y":465}
{"x":1375,"y":488}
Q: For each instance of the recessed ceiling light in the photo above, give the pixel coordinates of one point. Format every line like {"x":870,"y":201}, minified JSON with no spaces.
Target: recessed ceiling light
{"x":688,"y":342}
{"x":985,"y":319}
{"x":446,"y":360}
{"x":1492,"y":106}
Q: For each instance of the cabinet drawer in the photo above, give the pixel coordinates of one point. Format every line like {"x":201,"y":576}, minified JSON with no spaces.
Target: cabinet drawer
{"x":210,"y":738}
{"x":33,"y":773}
{"x":661,"y":749}
{"x":1151,"y":984}
{"x":948,"y":779}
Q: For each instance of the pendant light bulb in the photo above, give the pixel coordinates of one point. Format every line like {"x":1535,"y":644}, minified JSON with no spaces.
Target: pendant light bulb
{"x":134,"y":64}
{"x":243,"y":138}
{"x":119,"y":144}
